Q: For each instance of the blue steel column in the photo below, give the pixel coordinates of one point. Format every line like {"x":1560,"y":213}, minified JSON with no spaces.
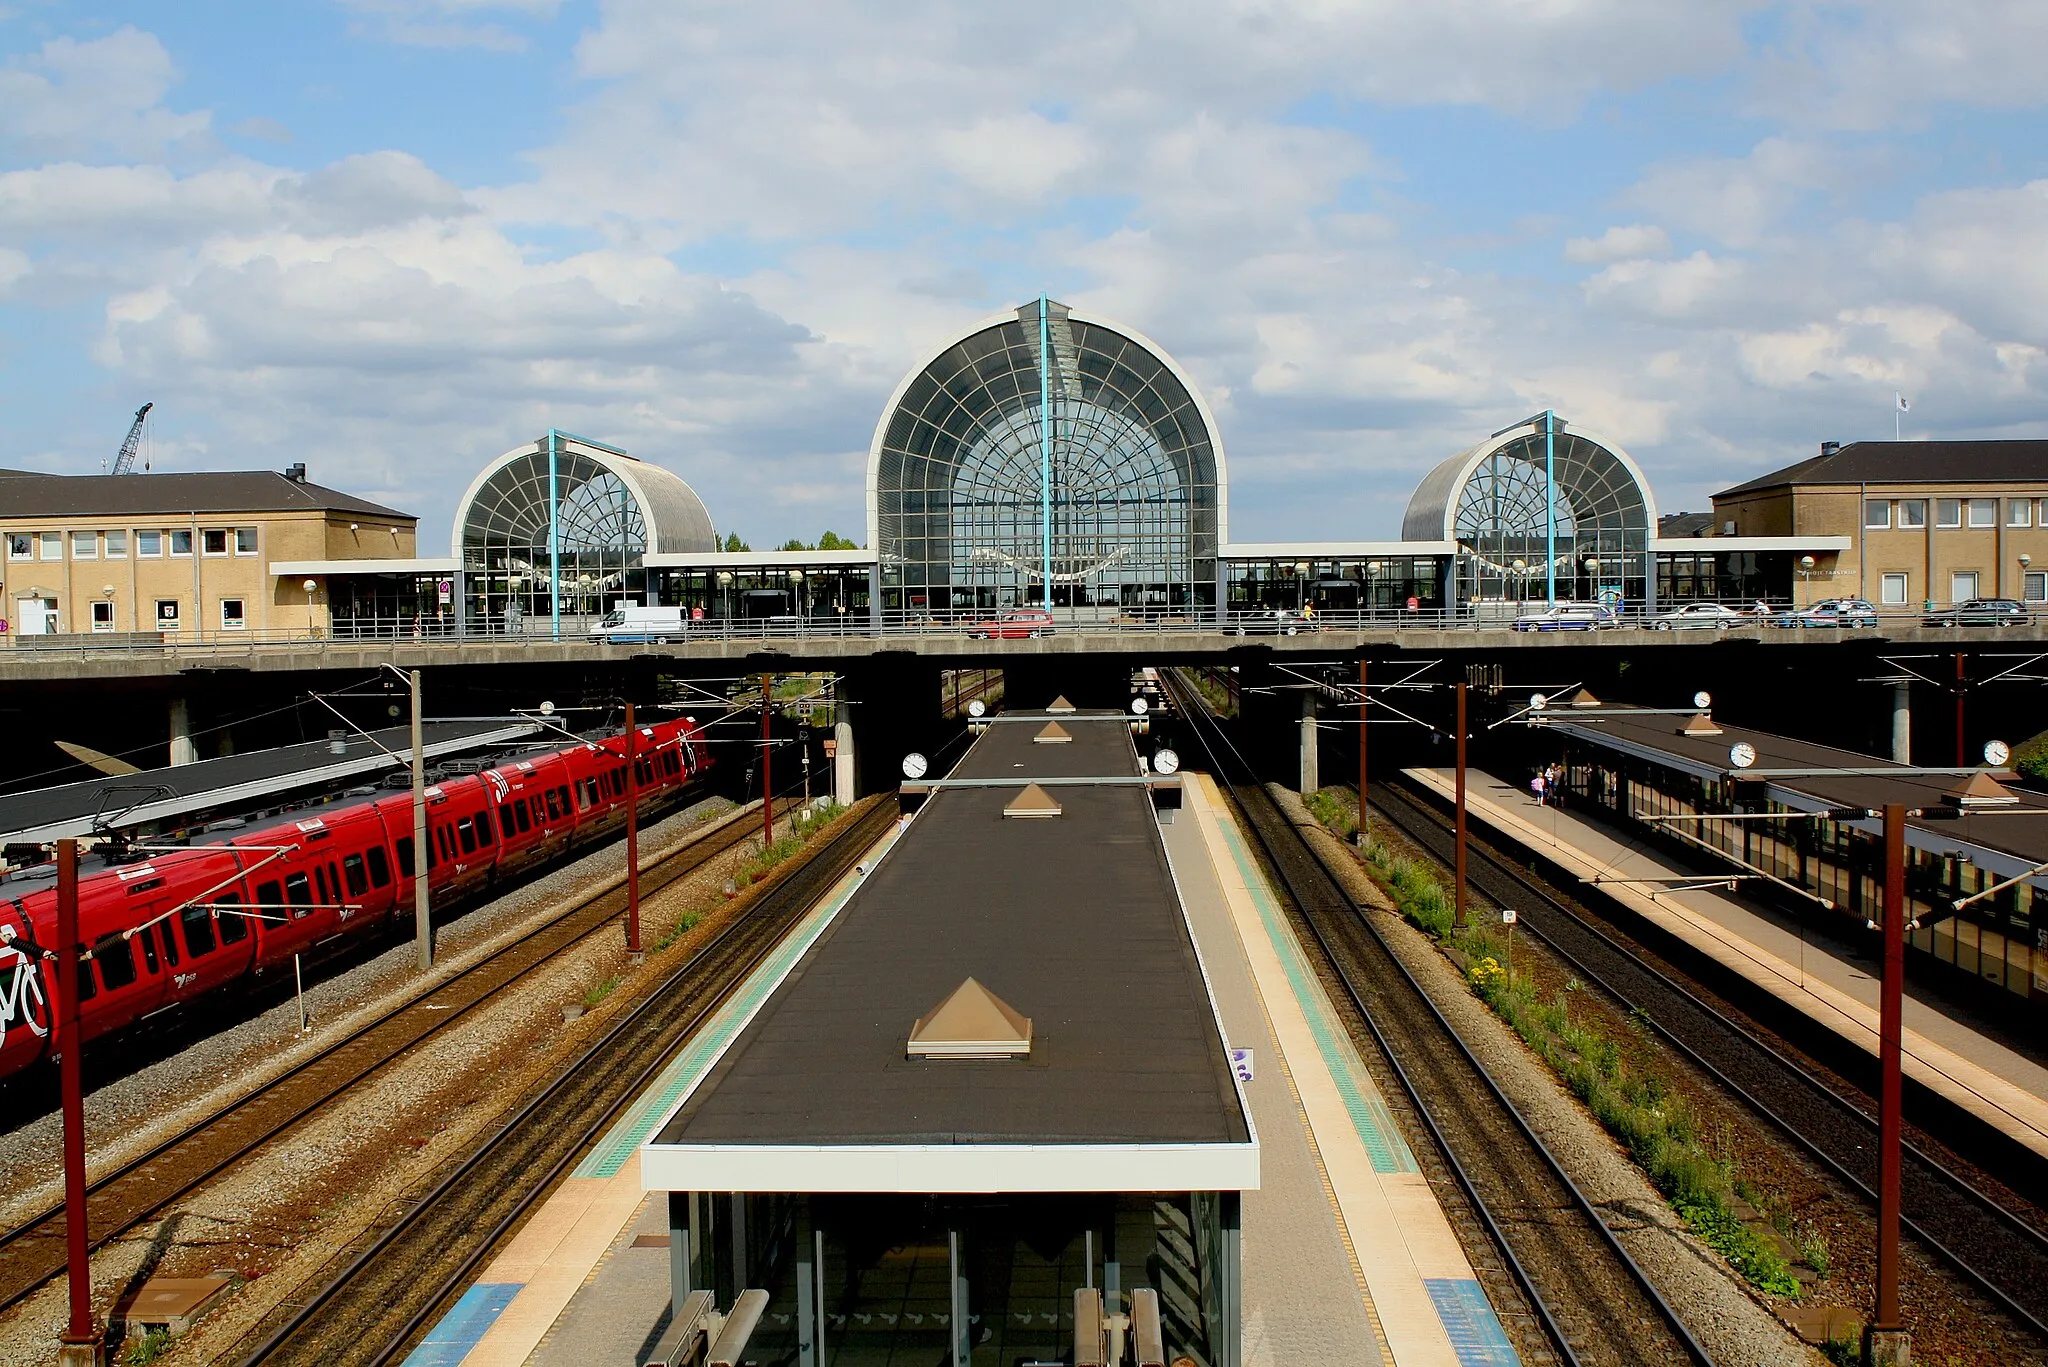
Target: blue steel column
{"x":1045,"y":443}
{"x":554,"y":536}
{"x":1550,"y":499}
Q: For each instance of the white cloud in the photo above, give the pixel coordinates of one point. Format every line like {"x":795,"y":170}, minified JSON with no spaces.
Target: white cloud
{"x":1619,"y":243}
{"x":94,"y":99}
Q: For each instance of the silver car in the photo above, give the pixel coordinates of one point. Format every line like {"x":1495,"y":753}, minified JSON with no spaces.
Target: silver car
{"x":1700,"y":617}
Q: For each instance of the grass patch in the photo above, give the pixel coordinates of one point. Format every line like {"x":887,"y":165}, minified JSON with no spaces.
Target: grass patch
{"x":685,"y":923}
{"x":153,"y":1344}
{"x":809,"y":824}
{"x":1638,"y":1109}
{"x":598,"y":991}
{"x":1335,"y":813}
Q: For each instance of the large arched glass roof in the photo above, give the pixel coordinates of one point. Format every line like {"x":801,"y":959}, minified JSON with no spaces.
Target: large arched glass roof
{"x":961,"y":515}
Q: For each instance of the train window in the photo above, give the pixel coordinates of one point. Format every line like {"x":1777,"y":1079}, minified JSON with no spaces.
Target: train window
{"x":670,"y":762}
{"x":465,"y":831}
{"x":298,"y":890}
{"x":163,"y":928}
{"x":508,"y":821}
{"x":352,"y":871}
{"x":270,"y":896}
{"x":320,"y":883}
{"x":380,"y":867}
{"x":233,"y":928}
{"x":148,"y":943}
{"x":554,"y":806}
{"x":199,"y":931}
{"x":484,"y":834}
{"x":568,"y":804}
{"x":519,"y":810}
{"x":591,"y":797}
{"x":405,"y":868}
{"x":116,"y":961}
{"x":448,"y":841}
{"x":433,"y":852}
{"x":87,"y":988}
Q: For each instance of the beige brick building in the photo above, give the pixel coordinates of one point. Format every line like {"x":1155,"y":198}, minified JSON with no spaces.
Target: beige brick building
{"x":1928,"y":522}
{"x":183,"y":556}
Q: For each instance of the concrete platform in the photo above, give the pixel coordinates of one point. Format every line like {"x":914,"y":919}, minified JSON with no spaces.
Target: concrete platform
{"x":1348,"y":1257}
{"x":1993,"y":1083}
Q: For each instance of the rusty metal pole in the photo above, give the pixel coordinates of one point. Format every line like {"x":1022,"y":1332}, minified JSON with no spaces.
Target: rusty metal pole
{"x":1885,"y":1342}
{"x":1361,"y":753}
{"x":632,"y":834}
{"x":767,"y":788}
{"x":1960,"y":749}
{"x":1458,"y":916}
{"x":82,"y":1339}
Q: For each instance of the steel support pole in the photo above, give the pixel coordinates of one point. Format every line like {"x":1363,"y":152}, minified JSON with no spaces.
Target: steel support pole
{"x":422,"y":917}
{"x":1960,"y":747}
{"x":554,"y":535}
{"x":1458,"y":874}
{"x":1362,"y":776}
{"x":767,"y":788}
{"x":1045,"y":442}
{"x":632,"y":834}
{"x":82,"y":1340}
{"x":1550,"y":499}
{"x":1885,"y":1341}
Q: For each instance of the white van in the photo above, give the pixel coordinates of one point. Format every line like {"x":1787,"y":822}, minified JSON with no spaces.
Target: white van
{"x":632,"y":623}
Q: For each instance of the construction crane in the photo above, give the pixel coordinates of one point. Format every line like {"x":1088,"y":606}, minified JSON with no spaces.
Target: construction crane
{"x":125,"y":461}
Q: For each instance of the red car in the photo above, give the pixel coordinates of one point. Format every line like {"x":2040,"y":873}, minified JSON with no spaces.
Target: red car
{"x":1014,"y":626}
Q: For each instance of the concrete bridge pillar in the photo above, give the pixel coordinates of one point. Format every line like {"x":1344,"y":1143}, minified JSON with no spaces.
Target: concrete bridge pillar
{"x":183,"y":748}
{"x":1902,"y":722}
{"x":843,"y":770}
{"x":1310,"y":779}
{"x":895,"y":708}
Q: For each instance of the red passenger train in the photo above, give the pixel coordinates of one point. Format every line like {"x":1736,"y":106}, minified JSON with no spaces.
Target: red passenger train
{"x":178,"y":925}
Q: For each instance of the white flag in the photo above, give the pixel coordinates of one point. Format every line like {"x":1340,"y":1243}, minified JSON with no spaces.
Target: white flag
{"x":1900,"y":400}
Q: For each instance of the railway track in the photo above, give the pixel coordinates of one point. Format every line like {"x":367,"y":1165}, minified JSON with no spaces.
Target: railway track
{"x":1995,"y":1248}
{"x":32,"y":1252}
{"x":401,"y":1276}
{"x":1593,"y":1302}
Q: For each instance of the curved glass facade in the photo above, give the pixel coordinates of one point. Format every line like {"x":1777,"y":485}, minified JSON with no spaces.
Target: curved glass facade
{"x":1495,"y":502}
{"x":964,"y":518}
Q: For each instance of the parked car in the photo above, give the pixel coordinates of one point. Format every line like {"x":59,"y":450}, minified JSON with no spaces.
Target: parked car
{"x":631,"y":623}
{"x":1700,"y":617}
{"x":1270,"y":622}
{"x":1981,"y":612}
{"x":1831,"y":612}
{"x":1013,"y":626}
{"x":1568,"y":617}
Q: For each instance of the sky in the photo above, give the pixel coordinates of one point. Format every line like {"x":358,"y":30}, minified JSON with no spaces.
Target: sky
{"x":395,"y":238}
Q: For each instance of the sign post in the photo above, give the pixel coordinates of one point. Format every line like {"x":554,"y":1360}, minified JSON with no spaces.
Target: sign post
{"x":1507,"y":918}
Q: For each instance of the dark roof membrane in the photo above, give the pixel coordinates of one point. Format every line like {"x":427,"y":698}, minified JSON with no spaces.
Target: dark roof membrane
{"x":1902,"y":462}
{"x":208,"y":493}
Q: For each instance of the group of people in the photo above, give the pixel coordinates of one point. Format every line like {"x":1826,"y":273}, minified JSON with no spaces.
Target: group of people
{"x":1548,"y":786}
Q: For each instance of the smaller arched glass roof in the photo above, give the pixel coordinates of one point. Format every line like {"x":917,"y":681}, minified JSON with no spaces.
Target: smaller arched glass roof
{"x":1499,"y":487}
{"x":609,"y":501}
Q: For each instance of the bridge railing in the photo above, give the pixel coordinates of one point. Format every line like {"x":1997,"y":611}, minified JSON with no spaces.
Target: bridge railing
{"x":1470,"y":620}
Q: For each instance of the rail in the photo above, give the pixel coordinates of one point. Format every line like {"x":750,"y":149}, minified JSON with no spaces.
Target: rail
{"x":1800,"y":1105}
{"x":1297,"y":864}
{"x":32,"y":1252}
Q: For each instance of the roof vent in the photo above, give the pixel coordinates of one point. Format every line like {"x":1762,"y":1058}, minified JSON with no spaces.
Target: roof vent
{"x":1700,"y":725}
{"x":1053,"y":734}
{"x":1584,"y":698}
{"x":972,"y":1023}
{"x":1828,"y":448}
{"x":1061,"y":705}
{"x":1981,"y":790}
{"x":296,"y":472}
{"x":1033,"y":801}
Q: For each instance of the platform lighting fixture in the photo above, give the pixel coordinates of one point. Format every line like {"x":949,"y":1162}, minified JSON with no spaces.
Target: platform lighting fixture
{"x":310,"y":586}
{"x":914,"y":765}
{"x":1165,"y":762}
{"x":1996,"y":753}
{"x":976,"y":708}
{"x":1742,"y":754}
{"x":1703,"y":700}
